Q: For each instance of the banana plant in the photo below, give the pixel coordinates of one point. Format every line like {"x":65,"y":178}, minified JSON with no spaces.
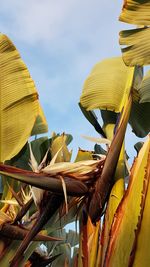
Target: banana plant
{"x":46,"y":190}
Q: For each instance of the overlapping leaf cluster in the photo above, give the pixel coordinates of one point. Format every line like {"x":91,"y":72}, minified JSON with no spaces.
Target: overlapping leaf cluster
{"x":43,"y":190}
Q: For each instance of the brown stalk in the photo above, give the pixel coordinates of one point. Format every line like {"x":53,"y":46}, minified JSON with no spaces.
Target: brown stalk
{"x":18,"y":233}
{"x":105,"y":182}
{"x":74,"y":187}
{"x":53,"y":203}
{"x":16,"y":196}
{"x":23,"y":211}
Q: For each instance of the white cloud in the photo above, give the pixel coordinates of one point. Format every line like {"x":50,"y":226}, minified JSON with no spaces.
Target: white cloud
{"x":37,"y":20}
{"x":49,"y":20}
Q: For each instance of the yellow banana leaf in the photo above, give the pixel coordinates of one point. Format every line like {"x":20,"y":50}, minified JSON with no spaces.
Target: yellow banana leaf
{"x":40,"y":125}
{"x":89,"y":242}
{"x":58,"y":143}
{"x":142,"y":249}
{"x":114,"y":200}
{"x":137,"y":50}
{"x":118,"y":188}
{"x":136,"y":12}
{"x":83,"y":155}
{"x":107,"y":85}
{"x":94,"y":249}
{"x":129,"y":213}
{"x":18,"y":101}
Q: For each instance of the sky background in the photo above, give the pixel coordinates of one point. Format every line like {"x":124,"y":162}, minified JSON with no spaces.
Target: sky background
{"x":60,"y":41}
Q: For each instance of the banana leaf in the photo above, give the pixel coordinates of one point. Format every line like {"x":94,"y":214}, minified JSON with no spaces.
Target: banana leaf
{"x":144,"y":89}
{"x":138,"y":146}
{"x":101,"y":91}
{"x":39,"y":148}
{"x":91,"y":117}
{"x":136,"y":12}
{"x":65,"y":257}
{"x":141,"y":251}
{"x":83,"y":155}
{"x":40,"y":125}
{"x":107,"y":85}
{"x":137,"y":47}
{"x":128,"y":218}
{"x":139,"y":119}
{"x":58,"y":143}
{"x":19,"y":106}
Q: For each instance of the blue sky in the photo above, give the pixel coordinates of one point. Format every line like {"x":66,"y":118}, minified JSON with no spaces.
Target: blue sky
{"x":60,"y":41}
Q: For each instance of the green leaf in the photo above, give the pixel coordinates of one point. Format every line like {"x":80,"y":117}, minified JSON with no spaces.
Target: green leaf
{"x":109,"y":117}
{"x":59,"y":221}
{"x":138,"y":146}
{"x":65,"y":250}
{"x":140,"y":118}
{"x":21,"y":160}
{"x":39,"y":148}
{"x":72,"y":238}
{"x":144,"y":89}
{"x":40,"y":125}
{"x":99,"y":150}
{"x":136,"y":12}
{"x":137,"y":50}
{"x":91,"y":117}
